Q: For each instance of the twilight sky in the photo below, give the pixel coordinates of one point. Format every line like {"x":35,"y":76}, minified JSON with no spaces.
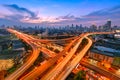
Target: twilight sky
{"x":59,"y":12}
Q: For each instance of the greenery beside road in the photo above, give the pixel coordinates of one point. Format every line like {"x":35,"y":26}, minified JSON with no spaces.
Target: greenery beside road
{"x":80,"y":75}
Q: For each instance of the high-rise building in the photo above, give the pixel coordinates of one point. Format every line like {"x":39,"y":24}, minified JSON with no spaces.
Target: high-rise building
{"x":107,"y":26}
{"x":93,"y":28}
{"x":72,"y":25}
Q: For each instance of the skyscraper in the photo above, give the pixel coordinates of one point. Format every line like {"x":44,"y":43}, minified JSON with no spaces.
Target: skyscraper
{"x":107,"y":26}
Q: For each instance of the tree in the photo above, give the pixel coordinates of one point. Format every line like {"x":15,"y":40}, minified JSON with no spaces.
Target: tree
{"x":51,"y":48}
{"x":56,"y":50}
{"x":80,"y":75}
{"x":116,"y":61}
{"x":26,"y":46}
{"x":84,"y":41}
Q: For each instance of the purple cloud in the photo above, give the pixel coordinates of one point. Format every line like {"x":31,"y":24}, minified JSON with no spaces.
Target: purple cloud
{"x":16,"y":8}
{"x":99,"y":17}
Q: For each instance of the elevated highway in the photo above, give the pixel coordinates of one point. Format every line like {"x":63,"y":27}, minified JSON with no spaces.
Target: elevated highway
{"x":35,"y":53}
{"x":33,"y":56}
{"x":50,"y":75}
{"x":47,"y":64}
{"x":58,"y":69}
{"x":72,"y":64}
{"x":55,"y":71}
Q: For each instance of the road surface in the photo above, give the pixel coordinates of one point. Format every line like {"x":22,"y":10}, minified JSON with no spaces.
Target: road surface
{"x":42,"y":68}
{"x":72,"y":64}
{"x":29,"y":62}
{"x":52,"y":74}
{"x":47,"y":64}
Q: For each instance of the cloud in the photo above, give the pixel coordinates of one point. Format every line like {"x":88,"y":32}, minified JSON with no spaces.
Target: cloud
{"x":15,"y":17}
{"x":66,"y":17}
{"x":99,"y":17}
{"x":18,"y":9}
{"x":24,"y":15}
{"x":108,"y":12}
{"x":51,"y":20}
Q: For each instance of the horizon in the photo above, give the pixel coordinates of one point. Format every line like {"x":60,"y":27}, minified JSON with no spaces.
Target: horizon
{"x":59,"y":12}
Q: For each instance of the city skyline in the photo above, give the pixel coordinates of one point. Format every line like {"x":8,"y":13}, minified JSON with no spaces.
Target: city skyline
{"x":59,"y":12}
{"x":60,"y":40}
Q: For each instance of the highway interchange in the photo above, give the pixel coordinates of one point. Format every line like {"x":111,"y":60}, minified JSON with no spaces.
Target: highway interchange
{"x":60,"y":70}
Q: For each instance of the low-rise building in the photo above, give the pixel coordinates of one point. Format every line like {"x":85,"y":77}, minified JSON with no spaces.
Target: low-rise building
{"x":104,"y":58}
